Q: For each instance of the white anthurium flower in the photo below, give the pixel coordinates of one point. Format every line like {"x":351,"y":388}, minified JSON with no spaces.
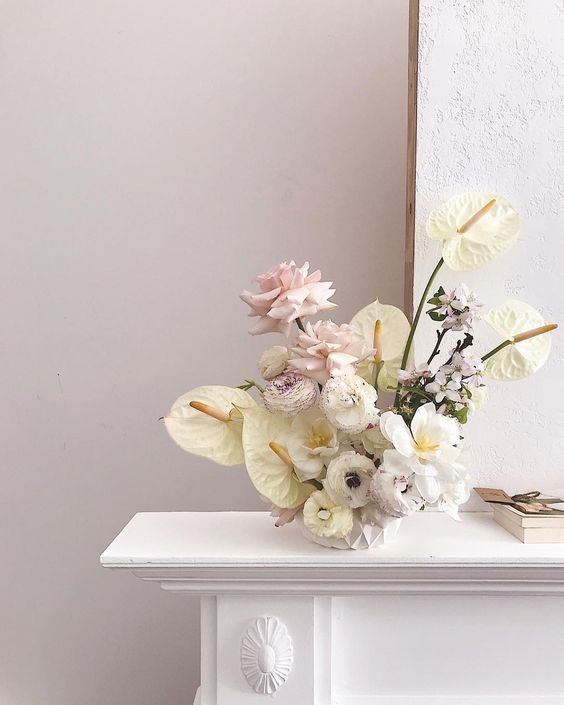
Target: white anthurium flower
{"x":475,"y":228}
{"x":207,"y":421}
{"x":312,"y":442}
{"x":390,"y":342}
{"x":519,"y":359}
{"x":265,"y":438}
{"x":348,"y":479}
{"x":326,"y":518}
{"x":427,"y":449}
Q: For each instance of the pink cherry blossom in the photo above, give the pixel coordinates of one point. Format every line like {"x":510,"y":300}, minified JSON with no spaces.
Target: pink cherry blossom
{"x":326,"y":349}
{"x":287,"y":292}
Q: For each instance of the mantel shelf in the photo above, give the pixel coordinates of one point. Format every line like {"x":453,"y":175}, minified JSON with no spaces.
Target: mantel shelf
{"x":242,"y":552}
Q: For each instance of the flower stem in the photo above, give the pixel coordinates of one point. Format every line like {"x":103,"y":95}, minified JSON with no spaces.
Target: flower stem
{"x":416,"y":321}
{"x":497,"y":349}
{"x":249,"y":384}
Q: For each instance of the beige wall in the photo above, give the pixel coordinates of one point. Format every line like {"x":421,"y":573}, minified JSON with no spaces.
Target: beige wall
{"x":155,"y":156}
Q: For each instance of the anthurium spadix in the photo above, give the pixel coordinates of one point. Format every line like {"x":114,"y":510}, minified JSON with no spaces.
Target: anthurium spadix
{"x":526,"y":341}
{"x":388,"y":337}
{"x":265,"y":436}
{"x":208,"y":421}
{"x":475,"y":228}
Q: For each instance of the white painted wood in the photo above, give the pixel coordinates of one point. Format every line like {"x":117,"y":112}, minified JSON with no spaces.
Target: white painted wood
{"x":242,"y":552}
{"x":457,"y":613}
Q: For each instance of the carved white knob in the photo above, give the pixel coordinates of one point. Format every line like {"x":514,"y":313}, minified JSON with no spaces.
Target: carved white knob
{"x":266,"y":654}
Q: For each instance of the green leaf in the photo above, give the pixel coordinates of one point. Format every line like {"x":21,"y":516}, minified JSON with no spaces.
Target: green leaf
{"x":437,"y":316}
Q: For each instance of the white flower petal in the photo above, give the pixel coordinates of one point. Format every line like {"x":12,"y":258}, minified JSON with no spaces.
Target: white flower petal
{"x":395,"y":330}
{"x":520,"y":359}
{"x":490,"y":237}
{"x":200,"y":434}
{"x":268,"y":473}
{"x":428,"y":487}
{"x":396,"y":431}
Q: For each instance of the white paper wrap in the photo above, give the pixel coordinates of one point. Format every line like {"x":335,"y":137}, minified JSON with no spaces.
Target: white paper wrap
{"x":362,"y":536}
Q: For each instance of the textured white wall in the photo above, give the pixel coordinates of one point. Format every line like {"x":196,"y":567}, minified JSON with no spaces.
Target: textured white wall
{"x":155,"y":156}
{"x":491,"y":117}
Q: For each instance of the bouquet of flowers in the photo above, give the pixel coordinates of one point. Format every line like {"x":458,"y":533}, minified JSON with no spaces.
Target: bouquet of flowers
{"x":315,"y":441}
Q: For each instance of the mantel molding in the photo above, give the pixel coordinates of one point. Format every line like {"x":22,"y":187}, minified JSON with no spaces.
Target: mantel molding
{"x":238,"y":553}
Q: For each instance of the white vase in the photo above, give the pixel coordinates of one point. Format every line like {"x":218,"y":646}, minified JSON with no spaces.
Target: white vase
{"x":362,"y":536}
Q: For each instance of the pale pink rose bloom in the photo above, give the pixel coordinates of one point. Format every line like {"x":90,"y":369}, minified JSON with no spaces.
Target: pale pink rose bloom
{"x":287,"y":292}
{"x":326,"y":349}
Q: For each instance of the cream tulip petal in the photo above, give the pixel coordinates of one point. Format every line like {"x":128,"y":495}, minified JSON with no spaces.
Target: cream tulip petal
{"x":395,"y":330}
{"x":488,"y":238}
{"x":269,"y":474}
{"x":200,"y":434}
{"x":522,"y":359}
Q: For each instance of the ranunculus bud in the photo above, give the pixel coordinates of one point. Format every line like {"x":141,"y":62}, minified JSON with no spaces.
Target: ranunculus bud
{"x":273,"y":361}
{"x":290,"y":393}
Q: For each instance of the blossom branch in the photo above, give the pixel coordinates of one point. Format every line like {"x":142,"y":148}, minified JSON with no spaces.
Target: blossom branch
{"x":440,"y":335}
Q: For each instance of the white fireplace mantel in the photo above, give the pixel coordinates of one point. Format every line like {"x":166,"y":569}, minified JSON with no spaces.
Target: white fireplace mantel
{"x":451,"y":612}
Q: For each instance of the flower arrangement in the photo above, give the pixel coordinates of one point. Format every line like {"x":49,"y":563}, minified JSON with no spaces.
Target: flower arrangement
{"x":315,"y":440}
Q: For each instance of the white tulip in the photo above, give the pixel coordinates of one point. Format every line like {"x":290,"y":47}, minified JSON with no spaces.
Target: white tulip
{"x":312,"y":442}
{"x":427,"y":449}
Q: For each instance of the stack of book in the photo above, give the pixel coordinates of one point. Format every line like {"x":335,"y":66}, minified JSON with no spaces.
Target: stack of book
{"x":530,"y":528}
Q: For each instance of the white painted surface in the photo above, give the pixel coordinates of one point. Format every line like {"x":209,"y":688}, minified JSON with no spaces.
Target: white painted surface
{"x":444,"y":616}
{"x":250,"y":538}
{"x":155,"y":156}
{"x":490,"y":117}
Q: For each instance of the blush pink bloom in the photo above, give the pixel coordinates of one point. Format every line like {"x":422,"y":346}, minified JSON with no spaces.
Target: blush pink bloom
{"x":326,"y":349}
{"x":287,"y":292}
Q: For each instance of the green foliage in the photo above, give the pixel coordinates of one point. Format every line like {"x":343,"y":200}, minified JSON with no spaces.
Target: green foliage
{"x":436,"y":304}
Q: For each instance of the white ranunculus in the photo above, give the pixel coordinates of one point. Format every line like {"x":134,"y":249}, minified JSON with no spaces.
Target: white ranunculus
{"x":273,"y":361}
{"x":290,"y":393}
{"x":325,"y":518}
{"x":312,"y":442}
{"x":522,"y":359}
{"x":392,"y":339}
{"x":214,"y":429}
{"x":428,"y":449}
{"x":348,"y":479}
{"x":484,"y":238}
{"x":396,"y":495}
{"x":349,"y":403}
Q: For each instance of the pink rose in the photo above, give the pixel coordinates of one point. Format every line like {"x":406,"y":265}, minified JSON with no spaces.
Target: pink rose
{"x":326,"y":349}
{"x":287,"y":292}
